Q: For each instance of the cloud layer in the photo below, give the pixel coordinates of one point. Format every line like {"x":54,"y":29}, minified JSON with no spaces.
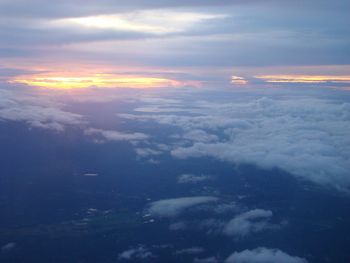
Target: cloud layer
{"x":303,"y":134}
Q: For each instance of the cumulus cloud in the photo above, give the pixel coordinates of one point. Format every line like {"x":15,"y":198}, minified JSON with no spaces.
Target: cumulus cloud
{"x":263,"y":255}
{"x":174,"y":207}
{"x":191,"y":178}
{"x":136,"y":253}
{"x":112,"y":135}
{"x":249,"y":222}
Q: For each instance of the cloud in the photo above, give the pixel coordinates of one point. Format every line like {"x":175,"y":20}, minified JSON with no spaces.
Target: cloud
{"x":302,"y":132}
{"x":249,"y":222}
{"x":191,"y":178}
{"x":174,"y":207}
{"x":263,"y":255}
{"x":199,"y":136}
{"x":306,"y":137}
{"x":37,"y":112}
{"x":157,"y":22}
{"x":111,"y":135}
{"x":136,"y":253}
{"x":145,"y":152}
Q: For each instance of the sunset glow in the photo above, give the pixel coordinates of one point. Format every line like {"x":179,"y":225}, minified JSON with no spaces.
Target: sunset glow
{"x":303,"y":79}
{"x":95,"y":80}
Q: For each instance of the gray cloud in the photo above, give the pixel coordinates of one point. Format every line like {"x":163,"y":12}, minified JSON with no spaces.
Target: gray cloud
{"x":254,"y":33}
{"x":263,"y":255}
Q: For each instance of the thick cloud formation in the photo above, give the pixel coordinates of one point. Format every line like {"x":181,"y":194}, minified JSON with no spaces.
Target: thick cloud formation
{"x":303,"y":134}
{"x":174,"y":207}
{"x":263,"y":255}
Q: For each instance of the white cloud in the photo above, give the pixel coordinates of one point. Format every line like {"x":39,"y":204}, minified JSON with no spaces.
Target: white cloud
{"x":111,"y":135}
{"x":38,"y":112}
{"x":263,"y":255}
{"x":136,"y":253}
{"x":191,"y":178}
{"x":174,"y":207}
{"x":303,"y":134}
{"x":249,"y":222}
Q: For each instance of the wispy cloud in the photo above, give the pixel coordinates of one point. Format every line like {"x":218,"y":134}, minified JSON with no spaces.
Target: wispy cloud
{"x":112,"y":135}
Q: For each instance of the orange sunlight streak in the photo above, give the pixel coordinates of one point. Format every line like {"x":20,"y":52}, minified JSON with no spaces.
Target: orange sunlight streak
{"x":303,"y":78}
{"x":57,"y":81}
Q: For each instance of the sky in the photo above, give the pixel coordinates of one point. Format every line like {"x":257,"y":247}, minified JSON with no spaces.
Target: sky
{"x":222,"y":125}
{"x":75,"y":44}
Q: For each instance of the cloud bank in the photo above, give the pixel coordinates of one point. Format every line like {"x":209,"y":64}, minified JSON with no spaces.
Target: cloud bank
{"x":303,"y":134}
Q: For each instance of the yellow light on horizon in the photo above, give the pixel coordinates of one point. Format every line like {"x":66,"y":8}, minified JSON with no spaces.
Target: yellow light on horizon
{"x":303,"y":78}
{"x":95,"y":80}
